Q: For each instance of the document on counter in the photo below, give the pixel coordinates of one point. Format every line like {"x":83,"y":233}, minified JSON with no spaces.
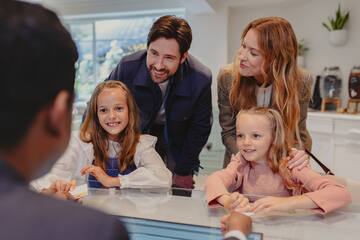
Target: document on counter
{"x":80,"y":191}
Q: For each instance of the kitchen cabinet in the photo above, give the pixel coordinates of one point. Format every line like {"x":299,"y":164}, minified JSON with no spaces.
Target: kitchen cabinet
{"x":336,"y":142}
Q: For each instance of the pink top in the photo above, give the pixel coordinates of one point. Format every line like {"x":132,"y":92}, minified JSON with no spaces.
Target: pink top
{"x":258,"y":179}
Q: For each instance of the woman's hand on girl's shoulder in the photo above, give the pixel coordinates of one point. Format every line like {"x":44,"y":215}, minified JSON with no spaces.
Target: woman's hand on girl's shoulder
{"x":297,"y":159}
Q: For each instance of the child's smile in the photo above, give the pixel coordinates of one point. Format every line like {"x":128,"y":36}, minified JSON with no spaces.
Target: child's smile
{"x":253,"y":137}
{"x":113,"y":111}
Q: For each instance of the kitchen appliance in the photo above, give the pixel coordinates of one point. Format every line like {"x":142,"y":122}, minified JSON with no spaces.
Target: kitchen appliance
{"x":354,"y":83}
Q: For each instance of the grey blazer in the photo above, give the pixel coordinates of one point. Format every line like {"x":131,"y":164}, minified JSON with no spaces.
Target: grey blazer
{"x":227,"y":115}
{"x":29,"y":215}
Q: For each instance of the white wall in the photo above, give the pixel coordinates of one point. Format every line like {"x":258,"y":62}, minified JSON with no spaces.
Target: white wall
{"x":306,"y":18}
{"x":210,"y":44}
{"x":210,"y":41}
{"x":217,"y":32}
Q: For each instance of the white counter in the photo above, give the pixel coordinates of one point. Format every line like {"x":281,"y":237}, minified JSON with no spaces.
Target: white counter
{"x":162,"y":206}
{"x":334,"y":115}
{"x":156,"y":205}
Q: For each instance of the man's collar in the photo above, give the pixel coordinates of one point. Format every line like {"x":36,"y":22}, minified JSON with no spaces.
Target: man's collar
{"x":182,"y":84}
{"x":9,"y":172}
{"x":143,"y":76}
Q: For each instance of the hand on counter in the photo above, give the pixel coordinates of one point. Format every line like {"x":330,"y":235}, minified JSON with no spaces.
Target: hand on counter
{"x":101,"y":176}
{"x":236,"y":221}
{"x":234,"y":201}
{"x":61,"y":189}
{"x":284,"y":204}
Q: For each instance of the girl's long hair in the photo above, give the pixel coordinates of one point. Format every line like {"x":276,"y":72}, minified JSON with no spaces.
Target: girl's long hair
{"x":278,"y":46}
{"x":91,"y":130}
{"x":279,"y":148}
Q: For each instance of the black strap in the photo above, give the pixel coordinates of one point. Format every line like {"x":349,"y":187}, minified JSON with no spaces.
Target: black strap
{"x":325,"y":168}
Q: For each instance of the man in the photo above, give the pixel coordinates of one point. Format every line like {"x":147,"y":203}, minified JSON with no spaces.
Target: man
{"x":36,"y":92}
{"x":173,"y":92}
{"x":236,"y":226}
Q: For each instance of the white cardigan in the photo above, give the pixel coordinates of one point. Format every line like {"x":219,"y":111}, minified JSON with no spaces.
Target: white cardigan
{"x":151,"y":171}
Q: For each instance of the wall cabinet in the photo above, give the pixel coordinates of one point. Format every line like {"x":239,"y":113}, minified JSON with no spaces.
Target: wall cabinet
{"x":336,"y":142}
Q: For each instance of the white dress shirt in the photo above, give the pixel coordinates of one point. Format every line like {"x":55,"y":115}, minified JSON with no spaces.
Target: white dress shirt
{"x":151,"y":171}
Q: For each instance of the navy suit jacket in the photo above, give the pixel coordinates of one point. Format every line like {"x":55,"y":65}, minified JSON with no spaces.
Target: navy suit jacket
{"x":188,"y":106}
{"x":29,"y":215}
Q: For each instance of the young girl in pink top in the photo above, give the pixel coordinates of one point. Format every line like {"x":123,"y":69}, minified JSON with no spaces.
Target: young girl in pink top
{"x":259,"y":168}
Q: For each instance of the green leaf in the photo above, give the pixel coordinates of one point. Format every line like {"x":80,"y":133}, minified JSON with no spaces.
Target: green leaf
{"x":338,"y":22}
{"x":332,"y":24}
{"x":338,"y":12}
{"x":345,"y":19}
{"x":326,"y":26}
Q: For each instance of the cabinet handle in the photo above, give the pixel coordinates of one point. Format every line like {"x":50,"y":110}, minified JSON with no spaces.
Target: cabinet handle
{"x":348,"y":143}
{"x":354,"y":131}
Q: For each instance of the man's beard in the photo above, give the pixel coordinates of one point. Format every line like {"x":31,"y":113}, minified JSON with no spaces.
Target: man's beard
{"x":164,"y":74}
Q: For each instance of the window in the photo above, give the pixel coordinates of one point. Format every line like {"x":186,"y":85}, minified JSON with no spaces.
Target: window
{"x":101,"y":43}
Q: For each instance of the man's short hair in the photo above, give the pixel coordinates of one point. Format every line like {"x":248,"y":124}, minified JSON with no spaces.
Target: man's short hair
{"x":171,"y":27}
{"x":37,"y":61}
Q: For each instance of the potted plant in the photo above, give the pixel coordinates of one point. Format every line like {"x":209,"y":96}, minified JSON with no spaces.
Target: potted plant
{"x":301,"y":50}
{"x":335,"y":26}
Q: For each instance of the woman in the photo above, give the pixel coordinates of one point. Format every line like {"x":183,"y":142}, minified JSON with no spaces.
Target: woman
{"x":265,"y":74}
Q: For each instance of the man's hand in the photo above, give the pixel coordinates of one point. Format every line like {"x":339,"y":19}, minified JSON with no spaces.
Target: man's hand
{"x":101,"y":176}
{"x":236,"y":221}
{"x":183,"y":181}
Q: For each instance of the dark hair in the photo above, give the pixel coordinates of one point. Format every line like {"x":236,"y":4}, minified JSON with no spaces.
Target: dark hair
{"x":170,"y":26}
{"x":36,"y":63}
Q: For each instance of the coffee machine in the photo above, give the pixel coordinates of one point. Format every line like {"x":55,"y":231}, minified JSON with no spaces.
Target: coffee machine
{"x":354,"y":83}
{"x":354,"y":90}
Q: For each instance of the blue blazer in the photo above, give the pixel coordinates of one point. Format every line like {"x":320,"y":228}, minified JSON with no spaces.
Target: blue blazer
{"x":188,"y":107}
{"x":26,"y":214}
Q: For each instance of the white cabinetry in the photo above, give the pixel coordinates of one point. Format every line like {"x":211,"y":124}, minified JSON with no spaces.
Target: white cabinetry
{"x":336,"y":142}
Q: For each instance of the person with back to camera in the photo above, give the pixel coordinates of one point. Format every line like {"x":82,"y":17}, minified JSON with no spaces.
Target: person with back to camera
{"x":173,"y":92}
{"x":260,"y":169}
{"x":109,"y":147}
{"x":37,"y":69}
{"x":265,"y":74}
{"x":235,"y":226}
{"x":35,"y":128}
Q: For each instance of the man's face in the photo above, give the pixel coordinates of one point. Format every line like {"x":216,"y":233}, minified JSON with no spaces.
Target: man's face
{"x":56,"y":135}
{"x":163,"y":59}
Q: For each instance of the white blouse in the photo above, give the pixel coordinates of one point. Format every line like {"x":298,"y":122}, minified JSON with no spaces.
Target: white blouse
{"x":263,"y":95}
{"x":151,"y":171}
